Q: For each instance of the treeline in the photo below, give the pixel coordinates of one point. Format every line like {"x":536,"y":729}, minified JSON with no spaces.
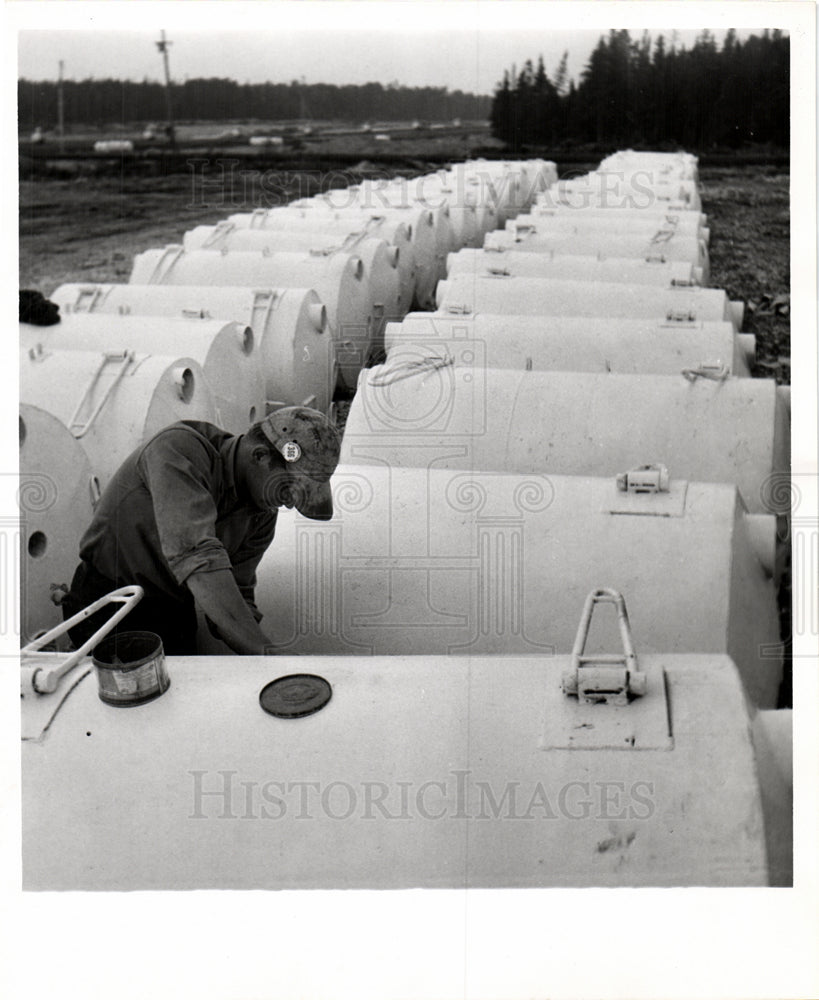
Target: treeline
{"x":88,"y":102}
{"x":643,"y":93}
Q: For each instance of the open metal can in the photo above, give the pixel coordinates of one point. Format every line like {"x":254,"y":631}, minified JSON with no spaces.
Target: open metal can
{"x":130,"y":668}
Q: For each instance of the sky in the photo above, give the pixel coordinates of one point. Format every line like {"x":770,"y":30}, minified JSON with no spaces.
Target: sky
{"x":465,"y":45}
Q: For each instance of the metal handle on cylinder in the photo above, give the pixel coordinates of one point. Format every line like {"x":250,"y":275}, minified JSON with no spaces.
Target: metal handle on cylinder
{"x":45,"y":680}
{"x":604,"y":678}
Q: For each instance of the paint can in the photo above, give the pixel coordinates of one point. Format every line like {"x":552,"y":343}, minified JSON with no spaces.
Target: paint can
{"x":130,"y":668}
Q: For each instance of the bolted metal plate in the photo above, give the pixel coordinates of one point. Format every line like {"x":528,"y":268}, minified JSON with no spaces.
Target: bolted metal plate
{"x":295,"y":696}
{"x":643,"y":724}
{"x":670,"y":504}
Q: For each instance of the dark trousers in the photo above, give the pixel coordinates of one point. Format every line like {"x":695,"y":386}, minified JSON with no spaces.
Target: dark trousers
{"x":172,"y":621}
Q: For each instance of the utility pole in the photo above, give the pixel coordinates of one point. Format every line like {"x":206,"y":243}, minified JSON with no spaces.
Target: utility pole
{"x":163,"y":45}
{"x":60,"y":110}
{"x":304,"y":113}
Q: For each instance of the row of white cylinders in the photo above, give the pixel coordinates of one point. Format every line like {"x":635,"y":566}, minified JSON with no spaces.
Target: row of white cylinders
{"x":257,"y":312}
{"x":564,"y":361}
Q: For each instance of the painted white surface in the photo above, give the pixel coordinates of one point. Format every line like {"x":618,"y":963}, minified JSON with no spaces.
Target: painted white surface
{"x":573,"y":267}
{"x":571,"y":343}
{"x":612,"y":244}
{"x":340,"y":281}
{"x":409,"y":412}
{"x":226,"y":351}
{"x":562,"y":297}
{"x":110,"y":795}
{"x":295,"y":345}
{"x":146,"y":399}
{"x":435,"y":561}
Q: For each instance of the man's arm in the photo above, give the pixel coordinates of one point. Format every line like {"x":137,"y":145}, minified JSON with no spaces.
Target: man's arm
{"x":216,"y":593}
{"x":247,"y":558}
{"x":180,"y":470}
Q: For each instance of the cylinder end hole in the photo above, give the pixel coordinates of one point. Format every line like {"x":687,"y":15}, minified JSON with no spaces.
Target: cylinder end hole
{"x":185,"y":384}
{"x":37,"y":544}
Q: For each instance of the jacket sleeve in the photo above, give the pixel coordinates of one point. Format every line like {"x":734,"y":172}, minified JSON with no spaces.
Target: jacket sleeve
{"x":180,"y":469}
{"x":247,"y":559}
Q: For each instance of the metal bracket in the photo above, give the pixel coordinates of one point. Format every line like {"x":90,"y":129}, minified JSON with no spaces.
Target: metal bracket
{"x":644,"y":479}
{"x":257,"y":218}
{"x":87,"y":298}
{"x":716,"y":371}
{"x":408,"y":369}
{"x":123,"y":358}
{"x":220,"y":230}
{"x":263,"y":304}
{"x":662,"y":236}
{"x":604,"y":678}
{"x":169,"y":256}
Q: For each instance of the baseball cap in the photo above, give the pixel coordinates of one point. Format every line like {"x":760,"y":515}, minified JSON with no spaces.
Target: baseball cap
{"x":310,"y":445}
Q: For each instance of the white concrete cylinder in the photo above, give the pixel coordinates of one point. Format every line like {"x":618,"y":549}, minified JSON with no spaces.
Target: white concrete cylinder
{"x":465,"y":219}
{"x":441,"y":561}
{"x":659,"y":248}
{"x":513,"y":183}
{"x":430,"y":259}
{"x":415,"y":411}
{"x":57,"y":490}
{"x":676,"y":165}
{"x":686,"y":221}
{"x":294,"y":341}
{"x":466,"y":293}
{"x":613,"y":187}
{"x":227,"y":353}
{"x":571,"y":343}
{"x":575,"y":267}
{"x":422,"y":772}
{"x":309,"y":234}
{"x":377,"y":197}
{"x":341,"y":282}
{"x":462,"y":190}
{"x":637,"y":220}
{"x":154,"y":391}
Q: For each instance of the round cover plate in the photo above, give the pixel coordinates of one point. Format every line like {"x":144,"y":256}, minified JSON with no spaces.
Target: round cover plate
{"x":296,"y":695}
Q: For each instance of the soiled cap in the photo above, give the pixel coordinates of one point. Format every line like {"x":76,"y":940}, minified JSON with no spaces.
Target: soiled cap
{"x":310,"y":445}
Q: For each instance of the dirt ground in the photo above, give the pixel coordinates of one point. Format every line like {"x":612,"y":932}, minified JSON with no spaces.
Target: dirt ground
{"x":748,"y":213}
{"x":88,"y":230}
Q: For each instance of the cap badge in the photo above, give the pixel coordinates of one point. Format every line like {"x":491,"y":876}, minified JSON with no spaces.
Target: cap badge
{"x":291,"y":451}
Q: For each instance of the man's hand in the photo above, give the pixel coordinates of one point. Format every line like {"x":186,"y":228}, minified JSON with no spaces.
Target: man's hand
{"x":217,"y":594}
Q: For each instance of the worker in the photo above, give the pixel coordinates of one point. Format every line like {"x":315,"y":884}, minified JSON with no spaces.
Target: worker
{"x":189,"y":515}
